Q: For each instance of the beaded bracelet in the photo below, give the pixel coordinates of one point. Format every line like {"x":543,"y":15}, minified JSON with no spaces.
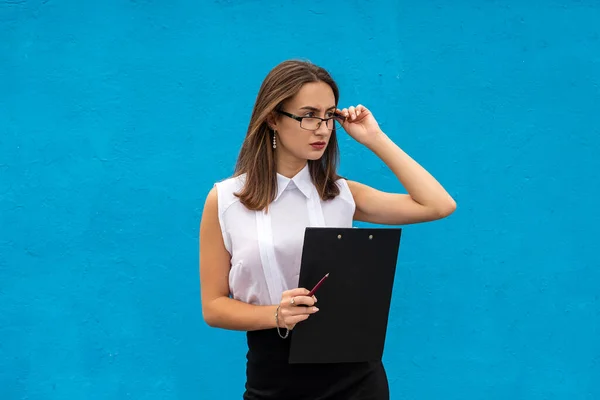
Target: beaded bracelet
{"x":287,"y":331}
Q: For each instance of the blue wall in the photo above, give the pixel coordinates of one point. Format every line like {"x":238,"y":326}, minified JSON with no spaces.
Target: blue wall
{"x":116,"y":118}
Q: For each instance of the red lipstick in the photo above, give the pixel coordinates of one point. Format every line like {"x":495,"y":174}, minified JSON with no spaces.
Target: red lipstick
{"x":318,"y":145}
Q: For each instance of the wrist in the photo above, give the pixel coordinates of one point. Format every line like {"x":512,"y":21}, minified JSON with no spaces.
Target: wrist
{"x":377,"y":140}
{"x":274,"y":316}
{"x":278,"y":322}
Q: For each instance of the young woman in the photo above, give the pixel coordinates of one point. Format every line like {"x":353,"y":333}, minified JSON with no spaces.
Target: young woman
{"x":253,"y":226}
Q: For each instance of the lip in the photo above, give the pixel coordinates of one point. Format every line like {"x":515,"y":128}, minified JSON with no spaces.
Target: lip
{"x":318,"y":145}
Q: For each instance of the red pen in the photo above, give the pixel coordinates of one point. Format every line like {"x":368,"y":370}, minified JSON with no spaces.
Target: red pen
{"x":312,"y":292}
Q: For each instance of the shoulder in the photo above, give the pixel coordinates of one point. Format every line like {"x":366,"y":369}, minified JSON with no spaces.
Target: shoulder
{"x":360,"y":192}
{"x":224,"y":191}
{"x":345,"y":190}
{"x":357,"y":188}
{"x":233,"y":183}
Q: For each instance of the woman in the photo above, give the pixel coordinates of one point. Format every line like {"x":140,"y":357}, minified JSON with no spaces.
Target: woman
{"x":253,"y":225}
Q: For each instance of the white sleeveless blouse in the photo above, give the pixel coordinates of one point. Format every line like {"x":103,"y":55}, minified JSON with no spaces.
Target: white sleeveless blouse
{"x":266,"y":247}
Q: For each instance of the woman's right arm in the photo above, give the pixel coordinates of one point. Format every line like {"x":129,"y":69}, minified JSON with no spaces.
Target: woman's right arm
{"x":218,"y":309}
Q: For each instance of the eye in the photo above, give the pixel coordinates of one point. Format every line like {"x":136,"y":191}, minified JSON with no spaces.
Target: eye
{"x":330,"y":114}
{"x":309,"y":114}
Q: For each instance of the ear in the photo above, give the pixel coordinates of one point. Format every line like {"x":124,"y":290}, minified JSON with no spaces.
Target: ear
{"x":272,"y":121}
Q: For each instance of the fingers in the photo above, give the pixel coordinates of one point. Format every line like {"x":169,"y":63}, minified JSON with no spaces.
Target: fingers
{"x":293,"y":315}
{"x":299,"y":296}
{"x":304,"y":301}
{"x":290,"y":322}
{"x":296,"y":292}
{"x":359,"y":110}
{"x":296,"y":306}
{"x":298,"y":302}
{"x":301,"y":310}
{"x":353,"y":113}
{"x":340,"y":116}
{"x":344,"y":112}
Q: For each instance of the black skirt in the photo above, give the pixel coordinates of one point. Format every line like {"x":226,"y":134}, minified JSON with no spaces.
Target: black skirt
{"x":269,"y":376}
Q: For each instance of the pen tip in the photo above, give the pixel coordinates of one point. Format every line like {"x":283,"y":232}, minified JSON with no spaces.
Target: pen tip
{"x":327,"y":274}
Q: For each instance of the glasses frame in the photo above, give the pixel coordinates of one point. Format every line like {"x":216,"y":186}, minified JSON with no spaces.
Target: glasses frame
{"x":300,"y":119}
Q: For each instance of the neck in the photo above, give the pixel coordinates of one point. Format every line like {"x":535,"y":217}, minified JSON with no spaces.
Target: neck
{"x":287,"y":165}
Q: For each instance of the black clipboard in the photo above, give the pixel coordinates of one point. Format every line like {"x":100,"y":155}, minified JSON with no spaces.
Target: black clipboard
{"x":354,"y":301}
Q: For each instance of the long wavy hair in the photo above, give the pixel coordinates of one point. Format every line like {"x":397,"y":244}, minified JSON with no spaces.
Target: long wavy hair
{"x":257,"y":157}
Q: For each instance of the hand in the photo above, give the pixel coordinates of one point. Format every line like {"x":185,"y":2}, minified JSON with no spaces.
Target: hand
{"x":360,"y":124}
{"x":290,"y":313}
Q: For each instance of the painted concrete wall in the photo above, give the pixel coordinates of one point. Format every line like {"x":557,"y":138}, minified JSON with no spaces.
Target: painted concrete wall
{"x":116,"y":117}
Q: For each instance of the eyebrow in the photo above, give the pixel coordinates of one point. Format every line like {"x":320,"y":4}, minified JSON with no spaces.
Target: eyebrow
{"x":310,"y":108}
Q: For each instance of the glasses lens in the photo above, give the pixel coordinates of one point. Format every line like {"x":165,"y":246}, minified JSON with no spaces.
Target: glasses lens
{"x":332,"y":123}
{"x":310,"y":123}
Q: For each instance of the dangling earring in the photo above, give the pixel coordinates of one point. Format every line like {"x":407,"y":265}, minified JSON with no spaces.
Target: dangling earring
{"x":274,"y":140}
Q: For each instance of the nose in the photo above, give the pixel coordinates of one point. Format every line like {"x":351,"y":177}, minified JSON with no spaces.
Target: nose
{"x":323,"y":130}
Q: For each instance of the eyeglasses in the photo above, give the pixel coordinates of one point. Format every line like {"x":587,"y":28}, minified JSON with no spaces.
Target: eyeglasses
{"x":312,"y":123}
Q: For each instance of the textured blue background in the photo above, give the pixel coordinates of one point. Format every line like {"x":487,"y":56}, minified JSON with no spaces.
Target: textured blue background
{"x":116,"y":117}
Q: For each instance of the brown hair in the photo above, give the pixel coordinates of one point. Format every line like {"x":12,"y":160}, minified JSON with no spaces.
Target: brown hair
{"x":256,"y":158}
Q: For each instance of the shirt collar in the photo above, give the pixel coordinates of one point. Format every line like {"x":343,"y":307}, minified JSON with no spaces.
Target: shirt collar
{"x":301,"y":180}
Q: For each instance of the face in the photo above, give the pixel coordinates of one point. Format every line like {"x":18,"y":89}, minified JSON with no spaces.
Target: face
{"x":315,"y":99}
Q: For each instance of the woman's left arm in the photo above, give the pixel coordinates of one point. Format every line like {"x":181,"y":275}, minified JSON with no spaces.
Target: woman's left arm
{"x":426,"y":200}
